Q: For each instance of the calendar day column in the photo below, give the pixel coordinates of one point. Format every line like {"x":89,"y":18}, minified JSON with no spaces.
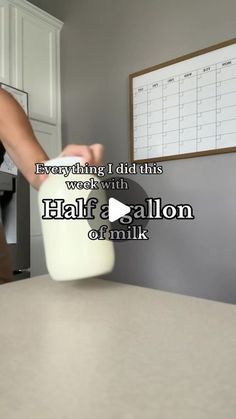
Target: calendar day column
{"x":226,"y":104}
{"x":188,"y":112}
{"x":171,"y":116}
{"x":206,"y":107}
{"x":155,"y":119}
{"x":140,"y":121}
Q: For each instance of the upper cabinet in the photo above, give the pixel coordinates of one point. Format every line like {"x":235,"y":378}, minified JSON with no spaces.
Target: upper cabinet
{"x":4,"y":41}
{"x":30,"y":57}
{"x":30,"y":61}
{"x":35,"y":54}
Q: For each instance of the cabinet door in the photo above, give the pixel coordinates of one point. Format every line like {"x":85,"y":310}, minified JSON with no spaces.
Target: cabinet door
{"x":4,"y":41}
{"x":34,"y":59}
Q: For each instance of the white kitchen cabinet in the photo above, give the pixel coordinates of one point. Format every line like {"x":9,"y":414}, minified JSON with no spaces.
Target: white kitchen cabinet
{"x":4,"y":41}
{"x":30,"y":56}
{"x":35,"y":59}
{"x":30,"y":60}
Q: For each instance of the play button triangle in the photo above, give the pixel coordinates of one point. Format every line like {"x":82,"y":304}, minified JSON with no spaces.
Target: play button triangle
{"x":117,"y":209}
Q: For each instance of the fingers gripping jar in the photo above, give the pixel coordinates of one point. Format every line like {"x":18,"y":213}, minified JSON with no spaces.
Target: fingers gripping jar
{"x":70,"y":253}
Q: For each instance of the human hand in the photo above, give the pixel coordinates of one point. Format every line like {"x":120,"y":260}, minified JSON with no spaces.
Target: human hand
{"x":92,"y":154}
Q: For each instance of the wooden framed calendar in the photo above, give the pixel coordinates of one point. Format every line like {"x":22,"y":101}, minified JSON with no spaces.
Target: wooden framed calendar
{"x":185,"y":107}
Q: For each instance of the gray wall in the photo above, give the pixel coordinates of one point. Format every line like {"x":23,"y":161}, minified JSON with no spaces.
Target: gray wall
{"x":102,"y":42}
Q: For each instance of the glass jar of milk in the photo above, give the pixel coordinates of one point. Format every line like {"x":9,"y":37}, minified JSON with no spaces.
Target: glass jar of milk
{"x":65,"y":213}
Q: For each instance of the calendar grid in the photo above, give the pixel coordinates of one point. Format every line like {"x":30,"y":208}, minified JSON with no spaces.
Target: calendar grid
{"x":186,"y":112}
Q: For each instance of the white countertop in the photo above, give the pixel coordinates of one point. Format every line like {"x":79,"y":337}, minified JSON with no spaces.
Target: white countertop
{"x":96,"y":349}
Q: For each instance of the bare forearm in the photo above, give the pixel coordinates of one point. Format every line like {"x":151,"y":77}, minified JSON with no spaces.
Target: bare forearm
{"x":20,"y":142}
{"x":18,"y":138}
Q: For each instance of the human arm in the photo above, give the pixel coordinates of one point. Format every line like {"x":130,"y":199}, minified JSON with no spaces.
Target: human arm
{"x":23,"y":147}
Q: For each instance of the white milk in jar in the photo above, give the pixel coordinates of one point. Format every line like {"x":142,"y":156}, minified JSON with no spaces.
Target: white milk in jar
{"x":70,"y":253}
